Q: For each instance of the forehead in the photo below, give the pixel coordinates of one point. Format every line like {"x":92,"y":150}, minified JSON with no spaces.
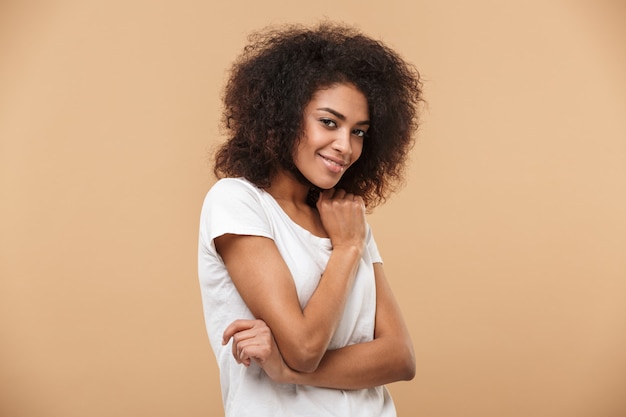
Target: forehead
{"x":344,"y":98}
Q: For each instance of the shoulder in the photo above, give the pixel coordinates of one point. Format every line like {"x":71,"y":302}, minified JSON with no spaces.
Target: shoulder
{"x":232,"y":197}
{"x":229,"y":186}
{"x":232,"y":190}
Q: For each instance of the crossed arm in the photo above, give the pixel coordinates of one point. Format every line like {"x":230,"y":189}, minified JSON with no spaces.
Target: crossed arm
{"x":291,"y":343}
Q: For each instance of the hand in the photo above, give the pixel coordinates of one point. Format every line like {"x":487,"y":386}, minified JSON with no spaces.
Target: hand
{"x":253,"y":341}
{"x":343,"y":217}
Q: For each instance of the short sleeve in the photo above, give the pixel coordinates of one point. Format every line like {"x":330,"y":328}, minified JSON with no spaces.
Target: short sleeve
{"x":372,"y":248}
{"x":233,"y":206}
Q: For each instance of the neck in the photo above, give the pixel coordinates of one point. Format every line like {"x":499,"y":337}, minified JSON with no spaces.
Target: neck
{"x":294,"y":197}
{"x":287,"y":188}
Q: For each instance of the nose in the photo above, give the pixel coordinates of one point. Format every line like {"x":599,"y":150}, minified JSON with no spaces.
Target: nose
{"x":343,"y":142}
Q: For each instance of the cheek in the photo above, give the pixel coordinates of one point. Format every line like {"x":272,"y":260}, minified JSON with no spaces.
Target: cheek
{"x":357,"y":150}
{"x":299,"y":149}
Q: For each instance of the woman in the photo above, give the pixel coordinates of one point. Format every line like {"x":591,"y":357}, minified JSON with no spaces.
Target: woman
{"x":298,"y":309}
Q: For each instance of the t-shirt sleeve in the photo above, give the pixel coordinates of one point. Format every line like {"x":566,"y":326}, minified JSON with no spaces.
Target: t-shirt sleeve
{"x":233,"y":206}
{"x":372,"y":248}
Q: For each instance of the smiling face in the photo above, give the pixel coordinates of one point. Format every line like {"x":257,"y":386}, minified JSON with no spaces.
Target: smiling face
{"x":334,"y":125}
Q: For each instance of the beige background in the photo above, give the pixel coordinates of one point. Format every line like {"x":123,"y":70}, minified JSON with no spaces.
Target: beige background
{"x":506,"y":248}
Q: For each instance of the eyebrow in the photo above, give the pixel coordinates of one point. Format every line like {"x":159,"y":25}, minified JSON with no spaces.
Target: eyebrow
{"x":341,"y":116}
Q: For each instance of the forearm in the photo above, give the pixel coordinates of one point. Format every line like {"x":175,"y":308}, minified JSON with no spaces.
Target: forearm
{"x":324,"y":309}
{"x":388,"y":358}
{"x":343,"y":218}
{"x":362,"y":365}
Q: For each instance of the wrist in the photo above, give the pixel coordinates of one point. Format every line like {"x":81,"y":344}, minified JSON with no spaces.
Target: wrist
{"x":350,"y":249}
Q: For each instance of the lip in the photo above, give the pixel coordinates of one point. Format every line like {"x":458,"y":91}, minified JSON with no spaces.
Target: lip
{"x":333,"y":164}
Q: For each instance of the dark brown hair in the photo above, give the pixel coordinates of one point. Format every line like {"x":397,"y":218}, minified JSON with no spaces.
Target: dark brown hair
{"x":276,"y":76}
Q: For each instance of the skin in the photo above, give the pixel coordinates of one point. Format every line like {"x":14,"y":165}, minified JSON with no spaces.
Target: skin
{"x":291,"y":343}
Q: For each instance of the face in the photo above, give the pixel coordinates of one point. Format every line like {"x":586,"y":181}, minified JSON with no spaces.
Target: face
{"x":334,"y":125}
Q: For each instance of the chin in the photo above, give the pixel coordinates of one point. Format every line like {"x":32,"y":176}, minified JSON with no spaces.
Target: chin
{"x":321,"y":182}
{"x":325,"y":185}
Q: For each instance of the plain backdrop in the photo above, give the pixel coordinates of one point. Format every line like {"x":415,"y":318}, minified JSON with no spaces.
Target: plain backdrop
{"x":506,"y":247}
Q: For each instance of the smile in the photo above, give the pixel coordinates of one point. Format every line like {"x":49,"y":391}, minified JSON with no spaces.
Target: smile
{"x":334,"y":164}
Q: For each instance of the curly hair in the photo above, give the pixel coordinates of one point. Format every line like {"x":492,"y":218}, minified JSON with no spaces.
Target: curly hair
{"x":277,"y":75}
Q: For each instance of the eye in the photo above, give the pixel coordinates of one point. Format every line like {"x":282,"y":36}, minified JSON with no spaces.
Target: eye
{"x":358,"y":132}
{"x":328,"y":122}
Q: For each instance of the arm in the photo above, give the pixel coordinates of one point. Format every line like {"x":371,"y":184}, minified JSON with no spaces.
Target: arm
{"x":388,"y":358}
{"x":265,"y":283}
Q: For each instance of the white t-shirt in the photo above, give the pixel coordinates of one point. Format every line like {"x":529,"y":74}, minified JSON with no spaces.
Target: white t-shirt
{"x":236,"y":206}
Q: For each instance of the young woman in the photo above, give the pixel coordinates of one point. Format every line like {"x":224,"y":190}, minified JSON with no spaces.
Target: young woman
{"x":298,"y":309}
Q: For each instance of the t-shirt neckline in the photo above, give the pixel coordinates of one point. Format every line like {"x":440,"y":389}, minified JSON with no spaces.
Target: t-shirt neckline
{"x":324,"y":240}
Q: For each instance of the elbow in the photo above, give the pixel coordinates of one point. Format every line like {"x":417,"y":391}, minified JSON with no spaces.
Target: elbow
{"x":305,"y":359}
{"x":409,"y":369}
{"x":304,"y":366}
{"x":406,"y":364}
